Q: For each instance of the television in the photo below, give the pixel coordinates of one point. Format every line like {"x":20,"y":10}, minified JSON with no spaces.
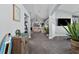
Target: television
{"x":64,"y":21}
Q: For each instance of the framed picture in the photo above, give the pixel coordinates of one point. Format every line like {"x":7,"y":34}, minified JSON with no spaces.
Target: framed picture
{"x":16,"y":13}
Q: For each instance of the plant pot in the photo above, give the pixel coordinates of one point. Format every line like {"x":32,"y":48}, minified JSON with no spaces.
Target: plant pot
{"x":75,"y":46}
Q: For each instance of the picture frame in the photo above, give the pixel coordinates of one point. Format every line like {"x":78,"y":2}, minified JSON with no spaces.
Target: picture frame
{"x":16,"y":13}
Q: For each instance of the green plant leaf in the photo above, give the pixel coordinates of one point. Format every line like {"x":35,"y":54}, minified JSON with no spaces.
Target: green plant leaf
{"x":73,"y":30}
{"x":66,"y":30}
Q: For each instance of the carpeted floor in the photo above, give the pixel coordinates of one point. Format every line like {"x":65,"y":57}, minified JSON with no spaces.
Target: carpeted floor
{"x":40,"y":44}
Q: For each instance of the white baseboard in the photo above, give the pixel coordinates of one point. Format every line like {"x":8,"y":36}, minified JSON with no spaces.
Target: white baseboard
{"x":52,"y":37}
{"x":29,"y":36}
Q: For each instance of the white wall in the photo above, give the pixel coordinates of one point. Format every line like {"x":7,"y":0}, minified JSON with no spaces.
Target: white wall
{"x":60,"y":31}
{"x":55,"y":30}
{"x":7,"y":24}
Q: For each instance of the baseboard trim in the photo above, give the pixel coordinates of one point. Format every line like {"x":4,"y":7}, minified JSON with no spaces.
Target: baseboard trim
{"x":52,"y":37}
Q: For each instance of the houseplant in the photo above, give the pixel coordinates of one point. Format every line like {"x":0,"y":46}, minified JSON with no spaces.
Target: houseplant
{"x":46,"y":30}
{"x":73,"y":32}
{"x":18,"y":32}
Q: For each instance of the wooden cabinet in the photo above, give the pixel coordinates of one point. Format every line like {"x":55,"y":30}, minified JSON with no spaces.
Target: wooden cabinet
{"x":16,"y":48}
{"x":20,"y":46}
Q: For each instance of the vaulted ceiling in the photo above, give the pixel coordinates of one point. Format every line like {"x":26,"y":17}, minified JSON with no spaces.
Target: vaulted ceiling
{"x":39,"y":10}
{"x":42,"y":11}
{"x":71,"y":8}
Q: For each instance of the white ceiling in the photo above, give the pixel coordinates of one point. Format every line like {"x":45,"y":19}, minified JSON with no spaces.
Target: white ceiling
{"x":72,"y":8}
{"x":42,"y":10}
{"x":39,"y":10}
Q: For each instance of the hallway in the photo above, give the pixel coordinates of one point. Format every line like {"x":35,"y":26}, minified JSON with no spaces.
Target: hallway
{"x":40,"y":44}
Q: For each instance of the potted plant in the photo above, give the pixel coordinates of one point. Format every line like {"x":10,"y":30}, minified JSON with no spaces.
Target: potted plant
{"x":73,"y":32}
{"x":18,"y":32}
{"x":46,"y":30}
